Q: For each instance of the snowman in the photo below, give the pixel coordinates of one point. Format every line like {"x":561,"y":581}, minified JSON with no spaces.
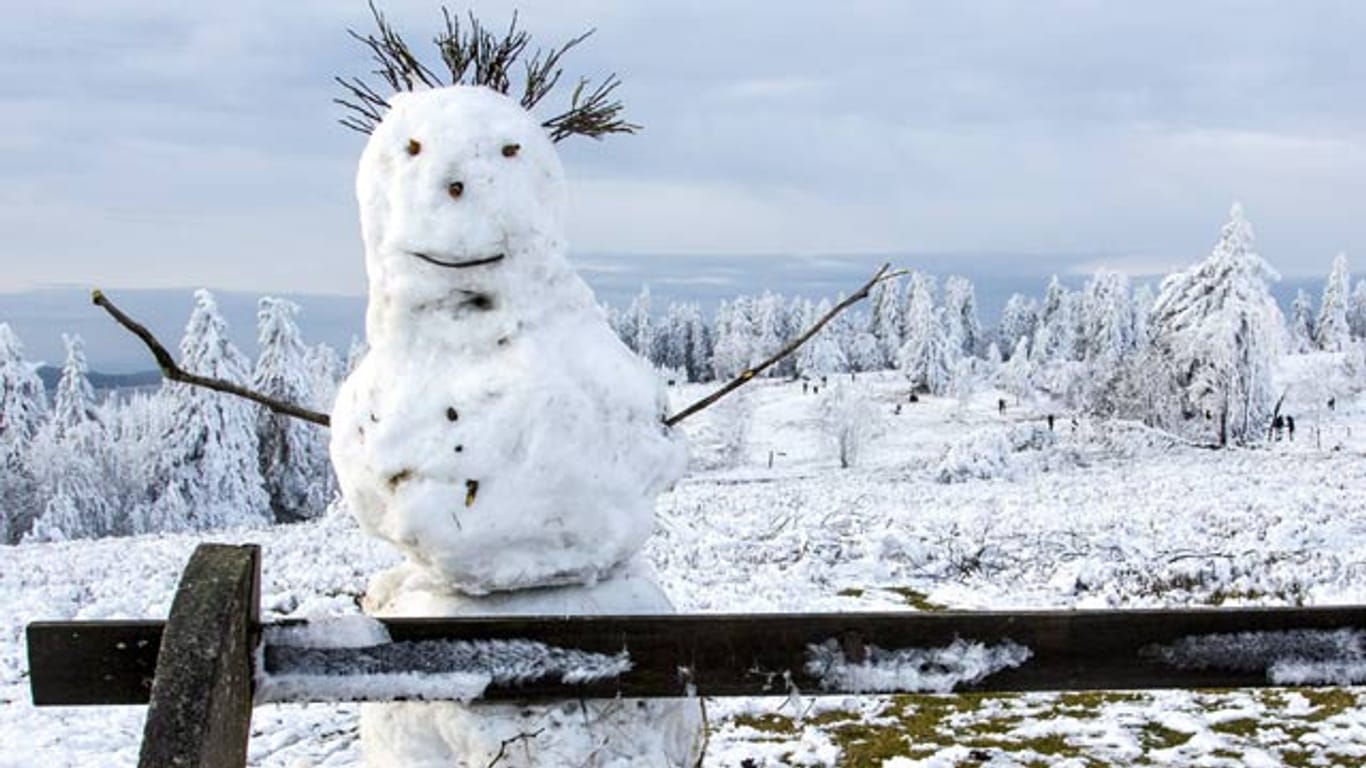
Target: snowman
{"x":497,"y":432}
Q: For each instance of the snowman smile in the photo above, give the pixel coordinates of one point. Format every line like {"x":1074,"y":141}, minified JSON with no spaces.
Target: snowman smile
{"x":459,"y":264}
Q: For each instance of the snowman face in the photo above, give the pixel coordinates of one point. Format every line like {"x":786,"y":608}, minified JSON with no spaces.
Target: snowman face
{"x":459,"y":189}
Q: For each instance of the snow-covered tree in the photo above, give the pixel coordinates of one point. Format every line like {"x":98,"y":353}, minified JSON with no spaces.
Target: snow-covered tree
{"x":1331,"y":331}
{"x":1302,"y":323}
{"x":23,"y":409}
{"x":849,"y":419}
{"x":292,"y":454}
{"x":1017,"y":373}
{"x":1019,"y":318}
{"x":1217,"y":326}
{"x":1356,"y":310}
{"x":822,"y":355}
{"x":70,"y":461}
{"x":1107,"y":337}
{"x":207,"y":473}
{"x":885,"y":319}
{"x":924,"y":357}
{"x":961,"y":326}
{"x":731,"y":346}
{"x":324,"y":375}
{"x":637,"y":326}
{"x":1054,"y":337}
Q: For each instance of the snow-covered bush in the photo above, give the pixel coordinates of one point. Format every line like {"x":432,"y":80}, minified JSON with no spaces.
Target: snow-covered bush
{"x":979,"y":457}
{"x":849,"y":420}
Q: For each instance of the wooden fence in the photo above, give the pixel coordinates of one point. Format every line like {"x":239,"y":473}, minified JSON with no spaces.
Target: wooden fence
{"x":198,"y":670}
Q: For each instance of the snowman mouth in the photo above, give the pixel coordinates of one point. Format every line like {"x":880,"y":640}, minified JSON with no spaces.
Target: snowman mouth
{"x":459,"y":264}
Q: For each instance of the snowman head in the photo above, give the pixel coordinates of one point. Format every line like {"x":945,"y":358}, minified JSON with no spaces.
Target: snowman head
{"x":461,"y":200}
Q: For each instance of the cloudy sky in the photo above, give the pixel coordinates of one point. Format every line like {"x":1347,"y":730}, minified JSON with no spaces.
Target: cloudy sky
{"x":166,"y":143}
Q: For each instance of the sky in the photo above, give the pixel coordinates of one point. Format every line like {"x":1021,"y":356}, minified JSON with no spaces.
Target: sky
{"x":166,"y":143}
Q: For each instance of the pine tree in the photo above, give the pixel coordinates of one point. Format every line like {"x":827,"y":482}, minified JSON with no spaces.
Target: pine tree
{"x":23,"y":409}
{"x":1019,"y":318}
{"x":70,"y":461}
{"x":291,"y":454}
{"x":1217,"y":326}
{"x":1331,"y":331}
{"x":1054,"y":338}
{"x":637,"y":327}
{"x":1302,"y":323}
{"x":207,"y":472}
{"x":885,"y":319}
{"x":1108,"y":326}
{"x":961,"y":325}
{"x":1017,"y":373}
{"x":823,"y":354}
{"x":924,"y":356}
{"x":1356,"y":311}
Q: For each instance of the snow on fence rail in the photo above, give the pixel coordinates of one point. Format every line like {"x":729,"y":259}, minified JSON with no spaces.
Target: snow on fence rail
{"x":204,"y":668}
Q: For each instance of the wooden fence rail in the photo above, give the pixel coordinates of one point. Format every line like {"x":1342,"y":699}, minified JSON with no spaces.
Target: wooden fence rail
{"x":196,"y":669}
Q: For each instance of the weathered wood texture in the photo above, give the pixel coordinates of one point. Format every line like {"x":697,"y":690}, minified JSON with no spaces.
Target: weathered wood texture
{"x":201,"y":698}
{"x":94,"y":662}
{"x":745,"y":655}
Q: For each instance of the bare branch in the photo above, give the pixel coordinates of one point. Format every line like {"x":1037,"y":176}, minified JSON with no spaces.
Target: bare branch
{"x":174,"y":372}
{"x":884,"y":273}
{"x":475,"y":56}
{"x":594,"y":116}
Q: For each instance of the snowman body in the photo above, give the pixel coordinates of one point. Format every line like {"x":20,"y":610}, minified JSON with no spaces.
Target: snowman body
{"x":497,"y":432}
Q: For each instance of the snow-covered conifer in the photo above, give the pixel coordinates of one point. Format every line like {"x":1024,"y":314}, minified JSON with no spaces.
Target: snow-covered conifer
{"x":885,"y":319}
{"x":924,"y":357}
{"x":1019,"y":318}
{"x":23,"y":408}
{"x":1218,"y":327}
{"x":1331,"y":331}
{"x":1356,"y":310}
{"x":961,"y":326}
{"x":292,"y":453}
{"x":1301,"y":323}
{"x":1017,"y":373}
{"x":822,"y":355}
{"x":207,"y":473}
{"x":637,"y":324}
{"x":1053,"y":339}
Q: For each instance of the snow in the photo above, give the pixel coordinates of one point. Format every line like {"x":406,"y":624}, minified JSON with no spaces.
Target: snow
{"x":1134,"y":518}
{"x":434,"y":669}
{"x":497,"y":431}
{"x":931,"y":670}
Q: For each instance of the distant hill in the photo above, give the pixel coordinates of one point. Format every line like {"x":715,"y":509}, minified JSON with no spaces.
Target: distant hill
{"x":102,"y":381}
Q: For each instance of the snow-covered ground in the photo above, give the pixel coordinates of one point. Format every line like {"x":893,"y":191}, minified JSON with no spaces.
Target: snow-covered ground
{"x":952,"y":505}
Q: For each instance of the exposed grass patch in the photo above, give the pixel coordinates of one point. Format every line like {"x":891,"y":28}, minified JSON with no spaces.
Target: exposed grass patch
{"x":916,"y":599}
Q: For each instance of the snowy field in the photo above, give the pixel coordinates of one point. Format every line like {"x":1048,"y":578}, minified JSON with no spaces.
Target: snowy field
{"x":952,"y":505}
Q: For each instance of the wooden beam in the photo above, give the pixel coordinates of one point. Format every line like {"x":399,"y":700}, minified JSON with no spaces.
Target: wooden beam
{"x":201,"y":697}
{"x":764,"y":654}
{"x":748,"y":655}
{"x":75,"y":663}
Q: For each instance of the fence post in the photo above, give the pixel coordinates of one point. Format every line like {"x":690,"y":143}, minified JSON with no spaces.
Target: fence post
{"x":200,"y":711}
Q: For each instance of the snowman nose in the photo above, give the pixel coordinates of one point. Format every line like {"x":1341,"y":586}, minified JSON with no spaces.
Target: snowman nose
{"x":455,"y":189}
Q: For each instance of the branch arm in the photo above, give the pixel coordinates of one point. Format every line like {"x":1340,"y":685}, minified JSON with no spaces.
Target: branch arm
{"x":884,"y":273}
{"x":174,"y":372}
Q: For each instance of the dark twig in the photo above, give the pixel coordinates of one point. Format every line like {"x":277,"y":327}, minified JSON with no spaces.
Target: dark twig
{"x":885,"y":273}
{"x":475,"y":56}
{"x":174,"y":372}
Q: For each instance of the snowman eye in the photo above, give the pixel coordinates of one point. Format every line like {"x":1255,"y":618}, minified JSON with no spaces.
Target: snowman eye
{"x":455,"y":189}
{"x":511,"y":150}
{"x":414,"y":146}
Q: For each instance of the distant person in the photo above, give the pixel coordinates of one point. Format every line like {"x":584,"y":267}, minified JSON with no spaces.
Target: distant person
{"x":1332,"y":403}
{"x":1001,"y":405}
{"x":1290,"y":427}
{"x":1277,"y":426}
{"x":805,"y":387}
{"x":1050,"y":422}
